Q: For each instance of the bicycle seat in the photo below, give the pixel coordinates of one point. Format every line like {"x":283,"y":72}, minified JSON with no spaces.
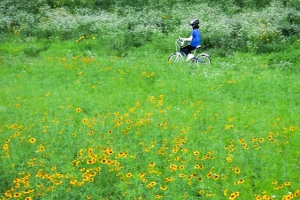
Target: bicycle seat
{"x":197,"y":47}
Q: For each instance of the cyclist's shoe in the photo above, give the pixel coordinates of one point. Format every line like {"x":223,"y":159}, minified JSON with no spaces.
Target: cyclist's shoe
{"x":189,"y":57}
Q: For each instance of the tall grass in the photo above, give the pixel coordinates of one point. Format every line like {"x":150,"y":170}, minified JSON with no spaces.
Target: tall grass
{"x":78,"y":125}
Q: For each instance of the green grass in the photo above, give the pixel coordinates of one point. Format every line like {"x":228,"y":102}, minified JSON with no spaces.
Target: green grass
{"x":78,"y":125}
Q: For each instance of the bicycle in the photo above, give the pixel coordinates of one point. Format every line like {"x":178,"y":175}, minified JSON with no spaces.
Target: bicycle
{"x":175,"y":60}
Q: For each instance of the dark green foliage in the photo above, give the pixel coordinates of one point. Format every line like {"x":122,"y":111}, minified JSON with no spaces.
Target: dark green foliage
{"x":290,"y":27}
{"x":30,"y":6}
{"x":139,"y":5}
{"x":292,"y":3}
{"x":252,"y":3}
{"x":104,"y":4}
{"x":235,"y":6}
{"x":34,"y":51}
{"x":71,"y":4}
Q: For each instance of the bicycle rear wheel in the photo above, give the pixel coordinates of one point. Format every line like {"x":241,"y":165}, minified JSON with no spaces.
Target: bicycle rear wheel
{"x":175,"y":61}
{"x":193,"y":63}
{"x":204,"y":60}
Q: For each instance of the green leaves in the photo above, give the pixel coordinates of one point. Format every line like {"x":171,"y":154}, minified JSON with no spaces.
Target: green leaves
{"x":228,"y":26}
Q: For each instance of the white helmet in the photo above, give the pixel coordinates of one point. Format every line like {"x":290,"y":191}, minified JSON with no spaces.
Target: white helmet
{"x":194,"y":22}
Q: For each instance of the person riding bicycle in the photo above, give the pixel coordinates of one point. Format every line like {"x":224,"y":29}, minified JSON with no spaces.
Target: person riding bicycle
{"x":195,"y":40}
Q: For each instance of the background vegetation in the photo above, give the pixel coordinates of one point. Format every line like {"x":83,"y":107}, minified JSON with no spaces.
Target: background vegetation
{"x":252,"y":25}
{"x":90,"y":109}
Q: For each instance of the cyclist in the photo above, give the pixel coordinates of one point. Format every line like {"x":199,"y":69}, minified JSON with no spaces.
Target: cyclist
{"x":195,"y":40}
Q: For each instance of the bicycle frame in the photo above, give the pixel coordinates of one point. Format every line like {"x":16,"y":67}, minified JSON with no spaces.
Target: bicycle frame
{"x":179,"y":43}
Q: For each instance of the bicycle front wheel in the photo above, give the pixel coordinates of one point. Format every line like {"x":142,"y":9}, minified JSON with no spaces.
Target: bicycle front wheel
{"x":175,"y":61}
{"x":204,"y":60}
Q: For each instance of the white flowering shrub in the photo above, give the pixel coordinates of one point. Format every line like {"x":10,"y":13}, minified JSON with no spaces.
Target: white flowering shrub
{"x":231,"y":27}
{"x":16,"y":16}
{"x":57,"y":21}
{"x":12,"y":19}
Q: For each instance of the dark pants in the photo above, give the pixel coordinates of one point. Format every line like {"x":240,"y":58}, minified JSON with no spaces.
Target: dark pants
{"x":187,"y":49}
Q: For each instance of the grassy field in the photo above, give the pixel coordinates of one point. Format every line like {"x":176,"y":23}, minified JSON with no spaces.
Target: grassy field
{"x":78,"y":125}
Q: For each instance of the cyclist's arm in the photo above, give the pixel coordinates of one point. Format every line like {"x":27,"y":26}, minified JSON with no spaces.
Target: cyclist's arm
{"x":187,"y":39}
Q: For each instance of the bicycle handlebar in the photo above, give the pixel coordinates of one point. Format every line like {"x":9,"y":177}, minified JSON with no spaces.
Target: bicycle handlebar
{"x":179,"y":40}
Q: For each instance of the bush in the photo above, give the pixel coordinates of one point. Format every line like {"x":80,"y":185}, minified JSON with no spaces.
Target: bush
{"x":227,"y":28}
{"x":34,"y":50}
{"x":286,"y":61}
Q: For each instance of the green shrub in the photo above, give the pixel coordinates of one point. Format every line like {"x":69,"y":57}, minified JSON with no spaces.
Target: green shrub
{"x":286,"y":61}
{"x":239,"y":26}
{"x":32,"y":51}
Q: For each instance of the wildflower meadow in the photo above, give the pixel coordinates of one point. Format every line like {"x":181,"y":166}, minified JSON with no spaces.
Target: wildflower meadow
{"x":90,"y":108}
{"x":92,"y":127}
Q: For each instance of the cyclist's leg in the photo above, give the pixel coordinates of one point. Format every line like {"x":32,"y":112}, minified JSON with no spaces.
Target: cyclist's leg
{"x":189,"y":49}
{"x":185,"y":49}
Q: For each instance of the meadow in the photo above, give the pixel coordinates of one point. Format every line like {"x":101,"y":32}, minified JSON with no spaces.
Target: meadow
{"x":76,"y":124}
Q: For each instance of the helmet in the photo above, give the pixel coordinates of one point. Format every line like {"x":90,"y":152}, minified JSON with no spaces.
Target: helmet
{"x":194,"y":22}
